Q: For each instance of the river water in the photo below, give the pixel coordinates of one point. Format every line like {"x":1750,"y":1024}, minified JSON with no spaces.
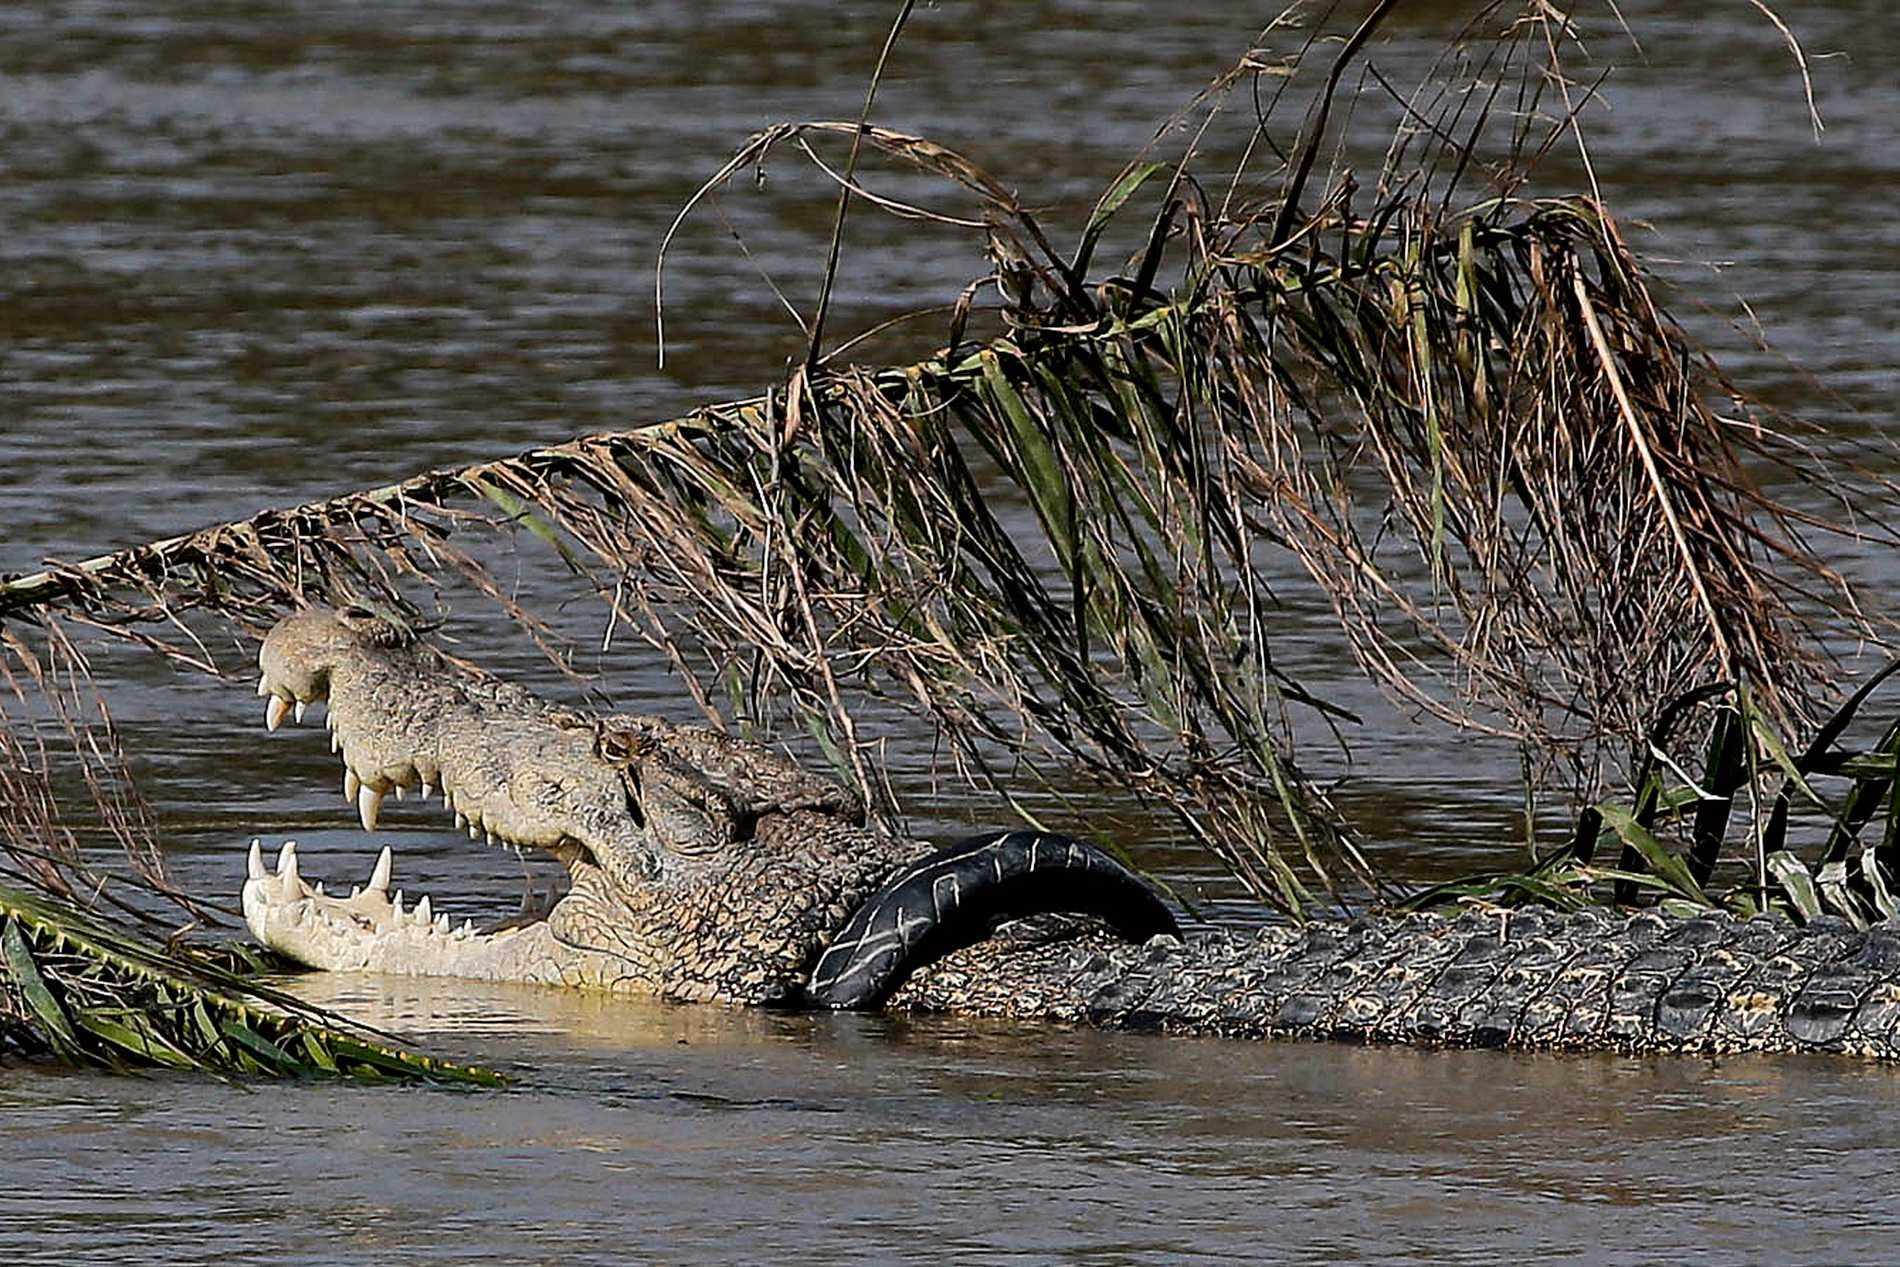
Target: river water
{"x":252,"y":254}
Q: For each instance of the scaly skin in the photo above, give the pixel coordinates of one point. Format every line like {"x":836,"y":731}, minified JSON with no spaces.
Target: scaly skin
{"x":1530,"y":980}
{"x":704,"y":868}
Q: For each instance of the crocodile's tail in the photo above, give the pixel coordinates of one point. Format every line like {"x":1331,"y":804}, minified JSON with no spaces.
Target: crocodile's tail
{"x":960,"y":894}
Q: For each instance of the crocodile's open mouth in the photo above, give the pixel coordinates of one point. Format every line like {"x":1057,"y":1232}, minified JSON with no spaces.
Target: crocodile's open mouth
{"x":670,"y":887}
{"x":282,"y":902}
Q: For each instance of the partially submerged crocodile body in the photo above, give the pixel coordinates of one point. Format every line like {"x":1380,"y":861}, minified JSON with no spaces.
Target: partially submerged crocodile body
{"x":705,"y":868}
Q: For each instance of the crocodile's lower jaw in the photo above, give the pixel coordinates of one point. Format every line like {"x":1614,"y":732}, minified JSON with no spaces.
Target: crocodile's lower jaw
{"x":371,"y":931}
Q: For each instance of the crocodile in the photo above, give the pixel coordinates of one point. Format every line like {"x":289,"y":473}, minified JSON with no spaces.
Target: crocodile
{"x":706,"y":868}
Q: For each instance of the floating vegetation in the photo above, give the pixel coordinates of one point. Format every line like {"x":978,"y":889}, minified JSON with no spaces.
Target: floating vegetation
{"x":79,"y":990}
{"x":1668,"y":843}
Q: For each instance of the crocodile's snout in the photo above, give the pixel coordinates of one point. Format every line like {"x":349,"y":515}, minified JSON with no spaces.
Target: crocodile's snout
{"x":403,"y":719}
{"x":300,"y":652}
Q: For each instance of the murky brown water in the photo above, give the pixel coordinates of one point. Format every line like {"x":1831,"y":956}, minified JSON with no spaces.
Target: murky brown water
{"x":252,"y":254}
{"x":698,"y":1135}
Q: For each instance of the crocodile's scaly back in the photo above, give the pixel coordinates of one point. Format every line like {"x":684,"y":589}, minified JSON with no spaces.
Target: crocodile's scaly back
{"x":1531,"y":980}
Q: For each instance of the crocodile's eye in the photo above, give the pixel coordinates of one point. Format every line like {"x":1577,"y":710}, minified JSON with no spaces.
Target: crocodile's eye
{"x":633,"y":800}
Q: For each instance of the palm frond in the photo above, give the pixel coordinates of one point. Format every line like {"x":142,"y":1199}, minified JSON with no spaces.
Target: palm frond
{"x":90,"y":993}
{"x":1468,"y":424}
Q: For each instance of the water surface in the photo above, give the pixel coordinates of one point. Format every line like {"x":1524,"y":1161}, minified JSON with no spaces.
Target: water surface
{"x":256,"y":254}
{"x":702,"y":1135}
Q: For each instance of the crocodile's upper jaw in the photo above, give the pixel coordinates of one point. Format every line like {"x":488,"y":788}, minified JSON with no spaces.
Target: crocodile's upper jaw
{"x":403,"y":719}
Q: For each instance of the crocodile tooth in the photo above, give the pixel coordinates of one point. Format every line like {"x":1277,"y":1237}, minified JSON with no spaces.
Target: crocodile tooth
{"x":473,"y":832}
{"x":461,"y":820}
{"x":467,"y":929}
{"x":263,"y":687}
{"x":287,"y":861}
{"x":423,"y":913}
{"x":355,"y":890}
{"x":274,"y":712}
{"x":398,"y":790}
{"x":442,"y":923}
{"x":351,"y":785}
{"x":319,"y":888}
{"x":448,"y":799}
{"x":428,"y":788}
{"x":369,"y":803}
{"x":257,"y":871}
{"x":297,"y":711}
{"x":489,"y":836}
{"x":396,"y":903}
{"x":336,"y":742}
{"x":379,"y":875}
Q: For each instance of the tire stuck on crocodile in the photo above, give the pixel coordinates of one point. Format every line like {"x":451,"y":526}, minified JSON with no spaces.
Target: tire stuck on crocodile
{"x":703,"y":868}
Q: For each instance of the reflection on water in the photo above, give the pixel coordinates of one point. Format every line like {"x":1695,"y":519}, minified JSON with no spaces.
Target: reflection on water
{"x":256,"y":254}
